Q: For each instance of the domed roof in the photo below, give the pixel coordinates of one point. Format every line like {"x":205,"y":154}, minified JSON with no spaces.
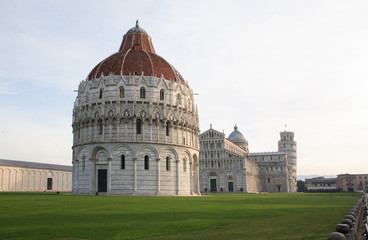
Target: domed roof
{"x":137,"y":29}
{"x":136,"y":56}
{"x":236,"y":136}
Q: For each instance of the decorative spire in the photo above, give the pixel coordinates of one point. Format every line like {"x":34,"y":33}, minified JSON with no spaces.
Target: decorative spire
{"x":236,"y":127}
{"x":137,"y":24}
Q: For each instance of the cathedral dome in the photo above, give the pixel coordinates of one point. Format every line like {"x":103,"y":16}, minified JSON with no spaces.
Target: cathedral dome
{"x":236,"y":136}
{"x":136,"y":56}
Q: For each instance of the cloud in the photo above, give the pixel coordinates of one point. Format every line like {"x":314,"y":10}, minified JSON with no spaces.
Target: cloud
{"x":4,"y":88}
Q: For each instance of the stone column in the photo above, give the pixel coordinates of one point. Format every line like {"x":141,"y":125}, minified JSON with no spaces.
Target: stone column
{"x":103,"y":130}
{"x":93,"y":175}
{"x":118,"y":129}
{"x":84,"y":135}
{"x":182,"y":135}
{"x":126,"y":130}
{"x":191,"y":176}
{"x":150,"y":124}
{"x":177,"y":133}
{"x":158,"y":130}
{"x":135,"y":130}
{"x":164,"y":130}
{"x":197,"y":179}
{"x":158,"y":175}
{"x":109,"y":160}
{"x":75,"y":185}
{"x":186,"y":137}
{"x":135,"y":174}
{"x":177,"y":177}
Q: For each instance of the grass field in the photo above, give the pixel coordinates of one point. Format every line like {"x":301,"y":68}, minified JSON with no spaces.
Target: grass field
{"x":214,"y":216}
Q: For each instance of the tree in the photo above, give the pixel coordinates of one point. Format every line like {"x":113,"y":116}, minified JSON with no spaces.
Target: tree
{"x":301,"y":185}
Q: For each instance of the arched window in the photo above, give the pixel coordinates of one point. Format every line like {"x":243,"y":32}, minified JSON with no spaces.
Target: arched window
{"x":101,"y":93}
{"x":179,"y":99}
{"x":167,"y":129}
{"x":162,"y":94}
{"x":87,"y":96}
{"x":146,"y":162}
{"x":100,"y":128}
{"x":143,"y":92}
{"x":184,"y":165}
{"x":83,"y":163}
{"x":167,"y":164}
{"x":121,"y":92}
{"x":123,"y":161}
{"x":139,"y":126}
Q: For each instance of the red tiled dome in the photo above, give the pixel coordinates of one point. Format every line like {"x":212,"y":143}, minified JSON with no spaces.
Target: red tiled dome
{"x":136,"y":56}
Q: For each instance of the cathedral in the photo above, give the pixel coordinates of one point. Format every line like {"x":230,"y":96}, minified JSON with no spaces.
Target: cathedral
{"x":135,"y":126}
{"x":226,"y":165}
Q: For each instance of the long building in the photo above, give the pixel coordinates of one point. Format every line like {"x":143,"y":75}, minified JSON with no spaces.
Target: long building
{"x":20,"y":176}
{"x":320,"y":184}
{"x":352,"y":182}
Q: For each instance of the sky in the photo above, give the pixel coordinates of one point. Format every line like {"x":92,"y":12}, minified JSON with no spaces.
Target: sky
{"x":262,"y":65}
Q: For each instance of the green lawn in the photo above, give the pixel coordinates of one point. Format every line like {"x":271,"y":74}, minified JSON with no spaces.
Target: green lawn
{"x":214,"y":216}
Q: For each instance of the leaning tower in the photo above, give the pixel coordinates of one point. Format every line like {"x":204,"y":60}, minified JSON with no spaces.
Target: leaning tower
{"x":288,"y":145}
{"x":135,"y":125}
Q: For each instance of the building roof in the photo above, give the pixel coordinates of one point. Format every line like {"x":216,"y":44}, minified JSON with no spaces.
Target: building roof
{"x":266,"y":154}
{"x":236,"y":136}
{"x":14,"y":163}
{"x":136,"y":56}
{"x":320,"y":180}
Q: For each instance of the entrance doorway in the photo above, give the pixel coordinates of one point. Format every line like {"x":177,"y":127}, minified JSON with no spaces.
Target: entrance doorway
{"x":213,"y":185}
{"x":230,"y":186}
{"x":102,"y":180}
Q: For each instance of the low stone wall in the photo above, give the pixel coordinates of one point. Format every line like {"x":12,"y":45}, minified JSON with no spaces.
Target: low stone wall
{"x":354,"y":225}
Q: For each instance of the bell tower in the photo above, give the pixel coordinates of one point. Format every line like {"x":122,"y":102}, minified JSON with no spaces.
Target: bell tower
{"x":288,"y":145}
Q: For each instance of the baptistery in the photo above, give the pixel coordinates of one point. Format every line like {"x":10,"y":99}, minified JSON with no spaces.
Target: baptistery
{"x":135,"y":125}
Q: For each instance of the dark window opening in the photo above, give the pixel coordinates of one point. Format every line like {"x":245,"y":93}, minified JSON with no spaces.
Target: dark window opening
{"x":268,"y":180}
{"x":167,"y":129}
{"x":139,"y":127}
{"x":184,"y":166}
{"x":100,"y":129}
{"x":121,"y":92}
{"x":101,"y":93}
{"x":167,"y":163}
{"x":122,"y":161}
{"x":49,"y":183}
{"x":83,"y":163}
{"x":162,"y":94}
{"x":146,"y":162}
{"x":143,"y":92}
